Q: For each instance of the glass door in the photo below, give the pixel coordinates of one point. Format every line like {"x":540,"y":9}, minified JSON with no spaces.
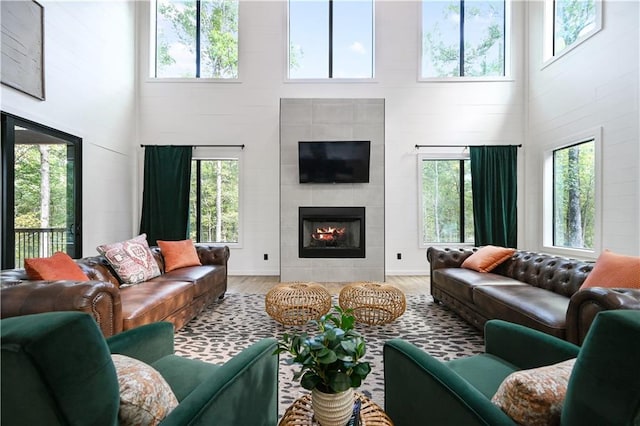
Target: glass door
{"x":41,"y":192}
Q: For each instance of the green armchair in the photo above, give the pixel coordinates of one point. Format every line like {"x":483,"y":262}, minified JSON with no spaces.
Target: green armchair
{"x":603,"y":389}
{"x":57,"y":370}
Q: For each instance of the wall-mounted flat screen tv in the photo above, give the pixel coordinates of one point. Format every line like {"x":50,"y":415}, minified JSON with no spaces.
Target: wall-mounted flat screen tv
{"x":334,"y":162}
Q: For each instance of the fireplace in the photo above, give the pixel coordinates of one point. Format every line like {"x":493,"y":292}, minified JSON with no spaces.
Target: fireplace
{"x":331,"y":232}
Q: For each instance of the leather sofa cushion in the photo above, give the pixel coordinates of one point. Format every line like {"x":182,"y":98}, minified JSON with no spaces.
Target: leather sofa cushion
{"x":204,"y":278}
{"x":460,"y":282}
{"x":524,"y":304}
{"x":153,"y":301}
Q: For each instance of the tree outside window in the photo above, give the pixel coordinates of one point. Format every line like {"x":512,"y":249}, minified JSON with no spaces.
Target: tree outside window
{"x":463,"y":38}
{"x":330,"y":39}
{"x":196,"y":39}
{"x":214,"y":201}
{"x":574,"y":196}
{"x":447,"y":206}
{"x":573,"y":19}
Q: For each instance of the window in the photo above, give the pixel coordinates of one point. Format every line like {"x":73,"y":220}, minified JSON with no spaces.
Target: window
{"x":569,"y":23}
{"x":463,"y":38}
{"x":571,"y":223}
{"x":196,"y":39}
{"x":214,"y":213}
{"x":446,"y":205}
{"x":330,"y":39}
{"x":41,"y":191}
{"x":574,"y":196}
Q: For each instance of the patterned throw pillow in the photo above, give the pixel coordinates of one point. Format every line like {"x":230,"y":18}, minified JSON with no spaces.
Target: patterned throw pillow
{"x":132,"y":259}
{"x":534,"y":397}
{"x":145,"y":396}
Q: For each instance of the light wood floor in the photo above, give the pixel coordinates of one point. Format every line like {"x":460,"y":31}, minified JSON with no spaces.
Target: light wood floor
{"x":254,"y":284}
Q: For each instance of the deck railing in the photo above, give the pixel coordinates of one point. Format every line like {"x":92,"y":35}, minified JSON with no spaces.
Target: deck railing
{"x":39,"y":242}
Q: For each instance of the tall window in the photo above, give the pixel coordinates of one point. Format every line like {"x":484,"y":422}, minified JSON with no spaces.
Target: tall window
{"x":330,"y":39}
{"x":446,"y":206}
{"x":574,"y":196}
{"x":196,"y":39}
{"x":214,"y":213}
{"x":463,"y":38}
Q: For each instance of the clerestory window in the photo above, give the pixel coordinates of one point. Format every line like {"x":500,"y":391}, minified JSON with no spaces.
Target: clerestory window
{"x":195,"y":39}
{"x":330,"y":39}
{"x":463,"y":38}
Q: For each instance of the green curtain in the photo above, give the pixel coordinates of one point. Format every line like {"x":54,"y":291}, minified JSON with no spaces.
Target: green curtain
{"x":165,"y":198}
{"x":494,"y":182}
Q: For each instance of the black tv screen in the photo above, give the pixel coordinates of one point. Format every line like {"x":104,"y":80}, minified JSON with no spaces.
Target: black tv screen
{"x":334,"y":162}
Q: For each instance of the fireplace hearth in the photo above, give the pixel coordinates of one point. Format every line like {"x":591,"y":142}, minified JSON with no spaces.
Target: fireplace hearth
{"x":331,"y":232}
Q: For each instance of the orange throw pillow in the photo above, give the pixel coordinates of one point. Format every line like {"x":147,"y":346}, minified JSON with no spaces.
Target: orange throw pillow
{"x":178,"y":254}
{"x":487,"y":258}
{"x":60,"y":266}
{"x":614,"y":271}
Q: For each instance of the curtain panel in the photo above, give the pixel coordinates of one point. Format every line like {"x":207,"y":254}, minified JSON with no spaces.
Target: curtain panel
{"x":165,"y":197}
{"x":494,"y":182}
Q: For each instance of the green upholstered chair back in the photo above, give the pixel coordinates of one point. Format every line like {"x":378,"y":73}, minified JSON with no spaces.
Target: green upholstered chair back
{"x":56,"y":370}
{"x":604,"y":388}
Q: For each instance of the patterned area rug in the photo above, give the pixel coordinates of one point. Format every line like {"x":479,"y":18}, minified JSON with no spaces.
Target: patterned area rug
{"x":229,"y":326}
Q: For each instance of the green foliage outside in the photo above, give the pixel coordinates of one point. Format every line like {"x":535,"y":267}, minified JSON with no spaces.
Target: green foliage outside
{"x":441,"y":201}
{"x":218,"y":35}
{"x":219,"y":199}
{"x":572,"y":17}
{"x":574,"y":195}
{"x":29,"y":190}
{"x":478,"y":61}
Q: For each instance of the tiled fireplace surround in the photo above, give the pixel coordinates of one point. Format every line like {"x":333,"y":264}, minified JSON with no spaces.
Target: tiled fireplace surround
{"x":331,"y":120}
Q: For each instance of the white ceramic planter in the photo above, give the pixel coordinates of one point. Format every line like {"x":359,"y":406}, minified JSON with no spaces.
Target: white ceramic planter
{"x":332,"y":409}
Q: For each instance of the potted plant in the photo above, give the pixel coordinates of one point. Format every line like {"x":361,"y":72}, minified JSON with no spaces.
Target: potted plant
{"x":330,"y":364}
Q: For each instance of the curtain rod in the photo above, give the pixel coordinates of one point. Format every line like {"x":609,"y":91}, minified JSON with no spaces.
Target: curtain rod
{"x":459,"y":146}
{"x":202,"y":146}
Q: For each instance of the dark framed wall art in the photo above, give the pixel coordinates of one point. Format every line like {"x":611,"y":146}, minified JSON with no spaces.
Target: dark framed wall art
{"x":22,"y":46}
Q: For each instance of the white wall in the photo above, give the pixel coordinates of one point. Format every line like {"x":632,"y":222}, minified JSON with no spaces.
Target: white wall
{"x":247,"y":113}
{"x":90,"y":93}
{"x":596,"y":84}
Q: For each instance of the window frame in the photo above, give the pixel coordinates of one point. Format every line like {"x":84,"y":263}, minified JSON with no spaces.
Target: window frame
{"x":548,"y":218}
{"x":508,"y":19}
{"x":445,"y":157}
{"x":213,"y":153}
{"x":152,"y":33}
{"x":549,"y":33}
{"x":287,"y":68}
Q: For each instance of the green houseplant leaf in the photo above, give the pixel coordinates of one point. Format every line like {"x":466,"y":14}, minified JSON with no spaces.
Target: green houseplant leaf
{"x":329,"y":361}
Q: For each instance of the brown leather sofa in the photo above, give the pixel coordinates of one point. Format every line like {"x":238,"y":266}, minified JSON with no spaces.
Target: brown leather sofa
{"x":537,"y":290}
{"x":176,"y":296}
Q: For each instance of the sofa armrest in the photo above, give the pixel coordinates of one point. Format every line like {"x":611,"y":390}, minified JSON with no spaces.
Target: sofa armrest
{"x":97,"y":298}
{"x":445,"y":257}
{"x":585,"y":305}
{"x":213,"y":255}
{"x":525,"y":347}
{"x":243,"y":391}
{"x":147,"y":343}
{"x":421,"y":390}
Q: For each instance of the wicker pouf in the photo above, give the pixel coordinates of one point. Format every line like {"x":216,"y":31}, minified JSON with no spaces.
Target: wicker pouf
{"x":297,"y":303}
{"x":373,"y":303}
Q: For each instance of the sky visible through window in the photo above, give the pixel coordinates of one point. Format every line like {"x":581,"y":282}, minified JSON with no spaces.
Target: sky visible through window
{"x":483,"y":33}
{"x":352,"y":39}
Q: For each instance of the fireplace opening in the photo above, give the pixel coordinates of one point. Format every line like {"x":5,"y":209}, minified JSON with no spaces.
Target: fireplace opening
{"x":331,"y":232}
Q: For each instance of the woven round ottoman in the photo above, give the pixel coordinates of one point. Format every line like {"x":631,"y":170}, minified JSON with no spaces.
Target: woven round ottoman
{"x":297,"y":303}
{"x":373,"y":303}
